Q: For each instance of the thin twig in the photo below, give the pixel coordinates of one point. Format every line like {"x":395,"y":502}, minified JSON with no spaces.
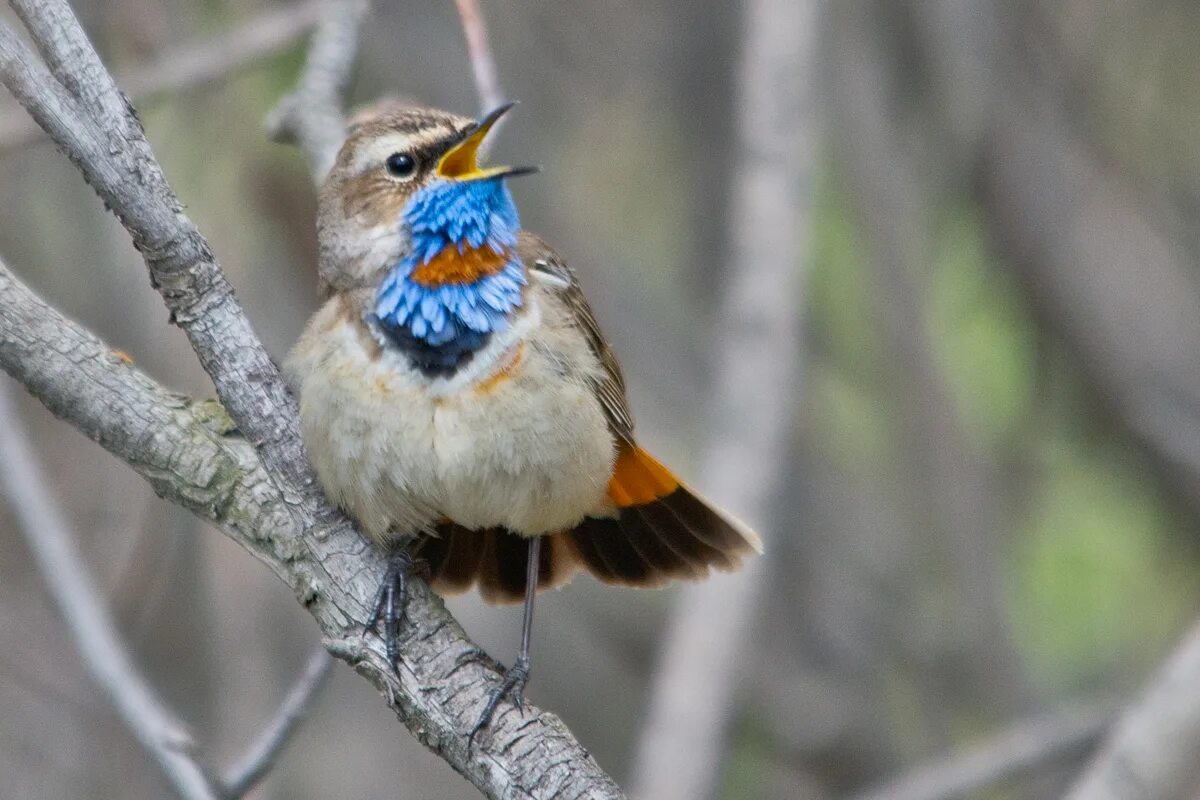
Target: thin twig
{"x":261,"y":755}
{"x":85,"y":614}
{"x":311,"y":115}
{"x":758,"y":361}
{"x":1024,"y":746}
{"x":195,"y":65}
{"x":483,"y":66}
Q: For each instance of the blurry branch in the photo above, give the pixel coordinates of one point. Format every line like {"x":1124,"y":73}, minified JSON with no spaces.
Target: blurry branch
{"x":1101,"y":268}
{"x":1102,"y":272}
{"x":1023,"y":747}
{"x":946,"y":475}
{"x":122,"y":392}
{"x":311,"y":116}
{"x":86,"y":616}
{"x":256,"y":486}
{"x":196,"y":65}
{"x":757,"y":360}
{"x":1154,"y":748}
{"x":262,"y":754}
{"x":483,"y":66}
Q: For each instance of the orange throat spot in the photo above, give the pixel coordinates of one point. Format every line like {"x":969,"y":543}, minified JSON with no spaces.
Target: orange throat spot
{"x":452,"y":266}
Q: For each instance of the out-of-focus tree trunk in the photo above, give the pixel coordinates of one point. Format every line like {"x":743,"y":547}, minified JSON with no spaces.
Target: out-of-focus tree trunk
{"x":707,"y":646}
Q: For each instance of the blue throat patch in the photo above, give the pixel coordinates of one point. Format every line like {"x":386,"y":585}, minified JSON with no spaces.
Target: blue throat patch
{"x":461,"y":280}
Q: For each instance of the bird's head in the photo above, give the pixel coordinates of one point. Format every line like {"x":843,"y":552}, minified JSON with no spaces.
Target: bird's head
{"x":406,"y":183}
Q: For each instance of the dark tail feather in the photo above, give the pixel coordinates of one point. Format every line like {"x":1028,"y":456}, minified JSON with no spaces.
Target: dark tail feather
{"x":494,"y":559}
{"x":659,"y":530}
{"x":679,"y":536}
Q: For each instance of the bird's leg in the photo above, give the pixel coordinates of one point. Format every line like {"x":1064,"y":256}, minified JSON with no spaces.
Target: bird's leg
{"x":392,"y":601}
{"x":516,"y":676}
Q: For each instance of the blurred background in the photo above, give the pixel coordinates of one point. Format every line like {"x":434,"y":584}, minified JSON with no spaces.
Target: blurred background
{"x":986,"y":503}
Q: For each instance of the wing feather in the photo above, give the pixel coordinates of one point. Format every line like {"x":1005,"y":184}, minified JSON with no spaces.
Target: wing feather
{"x":552,"y":272}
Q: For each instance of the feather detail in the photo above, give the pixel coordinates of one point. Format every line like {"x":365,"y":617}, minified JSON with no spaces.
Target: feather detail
{"x":660,"y":531}
{"x":463,"y":238}
{"x":462,"y":279}
{"x":669,"y":534}
{"x":495,"y":559}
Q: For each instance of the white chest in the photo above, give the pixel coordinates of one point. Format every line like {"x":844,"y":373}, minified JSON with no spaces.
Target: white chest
{"x":519,"y":440}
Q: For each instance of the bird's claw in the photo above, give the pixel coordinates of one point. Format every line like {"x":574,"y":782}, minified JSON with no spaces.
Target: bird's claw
{"x":515,"y":678}
{"x":391,"y":603}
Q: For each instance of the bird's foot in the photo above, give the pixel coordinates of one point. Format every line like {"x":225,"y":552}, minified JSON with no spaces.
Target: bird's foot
{"x":391,"y":603}
{"x":515,"y":678}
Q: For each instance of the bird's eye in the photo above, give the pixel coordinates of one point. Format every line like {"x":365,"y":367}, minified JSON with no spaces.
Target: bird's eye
{"x":401,"y":165}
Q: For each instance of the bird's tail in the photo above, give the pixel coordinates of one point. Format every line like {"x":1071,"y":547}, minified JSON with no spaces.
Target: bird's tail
{"x":656,"y":530}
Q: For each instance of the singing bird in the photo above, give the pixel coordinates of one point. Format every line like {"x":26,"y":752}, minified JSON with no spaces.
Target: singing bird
{"x":458,"y":400}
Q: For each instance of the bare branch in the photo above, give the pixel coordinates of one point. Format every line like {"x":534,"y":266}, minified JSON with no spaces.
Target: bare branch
{"x":263,"y":495}
{"x":483,"y":66}
{"x":86,"y":615}
{"x":112,"y":152}
{"x":1154,"y":749}
{"x":262,"y":754}
{"x":70,"y":56}
{"x":196,"y":65}
{"x":1024,"y":746}
{"x":311,"y":116}
{"x":679,"y":752}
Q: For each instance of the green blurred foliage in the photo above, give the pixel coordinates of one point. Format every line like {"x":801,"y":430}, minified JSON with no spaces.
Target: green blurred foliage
{"x":1097,"y":586}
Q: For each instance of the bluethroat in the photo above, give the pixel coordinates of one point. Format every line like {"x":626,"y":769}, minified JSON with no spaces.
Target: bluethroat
{"x":458,"y":399}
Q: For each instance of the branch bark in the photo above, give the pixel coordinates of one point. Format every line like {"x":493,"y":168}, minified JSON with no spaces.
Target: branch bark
{"x":257,"y":485}
{"x":195,"y":65}
{"x":758,"y":357}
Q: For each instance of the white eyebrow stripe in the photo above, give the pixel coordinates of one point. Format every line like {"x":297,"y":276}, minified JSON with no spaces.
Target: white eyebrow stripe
{"x":372,"y":152}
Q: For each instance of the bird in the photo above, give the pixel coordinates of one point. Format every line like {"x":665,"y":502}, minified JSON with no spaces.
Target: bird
{"x":458,"y":399}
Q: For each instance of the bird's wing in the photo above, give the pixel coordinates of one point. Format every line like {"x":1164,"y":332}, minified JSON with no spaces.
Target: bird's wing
{"x":657,"y":528}
{"x":654,"y":529}
{"x":609,"y":385}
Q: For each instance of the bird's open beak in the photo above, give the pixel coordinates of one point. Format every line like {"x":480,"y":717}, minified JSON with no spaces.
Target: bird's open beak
{"x":461,"y":161}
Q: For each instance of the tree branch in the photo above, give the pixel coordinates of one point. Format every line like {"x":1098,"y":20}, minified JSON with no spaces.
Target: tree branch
{"x":86,"y":615}
{"x":262,"y":494}
{"x":110,"y":149}
{"x":263,"y":752}
{"x":1154,"y":749}
{"x":311,"y":116}
{"x":196,"y":65}
{"x":1022,"y":747}
{"x":483,"y":66}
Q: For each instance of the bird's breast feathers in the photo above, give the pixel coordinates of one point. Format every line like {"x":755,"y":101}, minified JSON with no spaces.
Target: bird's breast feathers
{"x":515,"y":438}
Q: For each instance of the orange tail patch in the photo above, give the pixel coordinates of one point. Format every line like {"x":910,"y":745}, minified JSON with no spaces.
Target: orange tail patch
{"x":659,"y":531}
{"x":639,"y":478}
